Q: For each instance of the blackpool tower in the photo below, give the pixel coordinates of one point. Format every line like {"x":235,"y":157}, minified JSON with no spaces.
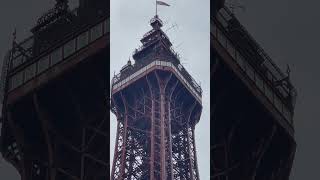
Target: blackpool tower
{"x":157,"y":104}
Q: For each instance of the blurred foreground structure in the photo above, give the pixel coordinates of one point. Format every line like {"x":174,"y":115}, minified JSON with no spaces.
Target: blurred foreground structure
{"x":54,"y":116}
{"x":252,"y":106}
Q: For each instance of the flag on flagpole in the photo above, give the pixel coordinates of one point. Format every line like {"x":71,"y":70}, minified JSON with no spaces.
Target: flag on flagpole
{"x":162,"y":3}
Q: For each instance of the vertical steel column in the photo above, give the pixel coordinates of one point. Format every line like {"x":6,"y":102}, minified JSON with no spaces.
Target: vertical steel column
{"x":123,"y":153}
{"x":44,"y":124}
{"x":115,"y":160}
{"x":83,"y":144}
{"x":169,"y":127}
{"x":26,"y":171}
{"x":151,"y":131}
{"x":117,"y":156}
{"x":189,"y":141}
{"x":162,"y":118}
{"x":195,"y":154}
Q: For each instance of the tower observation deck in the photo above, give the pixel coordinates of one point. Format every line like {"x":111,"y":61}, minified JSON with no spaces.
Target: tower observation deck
{"x":54,"y":96}
{"x":157,"y":104}
{"x":252,"y":106}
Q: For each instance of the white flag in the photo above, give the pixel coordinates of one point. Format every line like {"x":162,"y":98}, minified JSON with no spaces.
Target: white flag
{"x":162,"y":3}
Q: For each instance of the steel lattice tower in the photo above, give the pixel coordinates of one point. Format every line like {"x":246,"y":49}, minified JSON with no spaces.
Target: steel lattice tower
{"x":157,"y":105}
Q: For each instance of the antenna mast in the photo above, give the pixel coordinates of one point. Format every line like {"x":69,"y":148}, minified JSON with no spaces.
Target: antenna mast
{"x":156,"y":8}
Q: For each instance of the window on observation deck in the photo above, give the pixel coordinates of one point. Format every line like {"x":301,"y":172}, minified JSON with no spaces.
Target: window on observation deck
{"x":260,"y":83}
{"x":43,"y":64}
{"x":69,"y":48}
{"x":82,"y":40}
{"x":278,"y":104}
{"x":16,"y":80}
{"x":250,"y":72}
{"x":269,"y":93}
{"x":17,"y":61}
{"x":242,"y":63}
{"x":56,"y":56}
{"x":96,"y":32}
{"x":30,"y":72}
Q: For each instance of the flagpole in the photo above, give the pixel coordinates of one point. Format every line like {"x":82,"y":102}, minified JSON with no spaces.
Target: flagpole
{"x":156,"y":8}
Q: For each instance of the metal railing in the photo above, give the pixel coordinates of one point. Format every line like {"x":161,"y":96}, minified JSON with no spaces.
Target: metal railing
{"x":228,"y":23}
{"x":261,"y":81}
{"x":23,"y":51}
{"x":74,"y":42}
{"x":192,"y":86}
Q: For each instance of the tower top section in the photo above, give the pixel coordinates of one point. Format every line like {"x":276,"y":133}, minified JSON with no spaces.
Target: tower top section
{"x":156,"y":44}
{"x":156,"y":22}
{"x":156,"y":51}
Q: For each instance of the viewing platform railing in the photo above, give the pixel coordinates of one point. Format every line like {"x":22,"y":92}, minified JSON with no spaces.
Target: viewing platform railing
{"x":265,"y":75}
{"x":119,"y":82}
{"x":24,"y":67}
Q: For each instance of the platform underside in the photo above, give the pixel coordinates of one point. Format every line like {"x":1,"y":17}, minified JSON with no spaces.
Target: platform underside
{"x":57,"y":131}
{"x":248,"y":142}
{"x":156,"y":125}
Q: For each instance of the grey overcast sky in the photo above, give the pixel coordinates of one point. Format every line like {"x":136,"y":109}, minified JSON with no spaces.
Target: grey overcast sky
{"x":289,"y":32}
{"x":130,"y":20}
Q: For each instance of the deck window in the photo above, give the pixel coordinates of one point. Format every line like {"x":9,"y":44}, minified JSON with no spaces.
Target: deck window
{"x":30,"y":72}
{"x":82,"y":40}
{"x":16,"y":80}
{"x":43,"y":64}
{"x":96,"y":32}
{"x":69,"y":48}
{"x":56,"y":56}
